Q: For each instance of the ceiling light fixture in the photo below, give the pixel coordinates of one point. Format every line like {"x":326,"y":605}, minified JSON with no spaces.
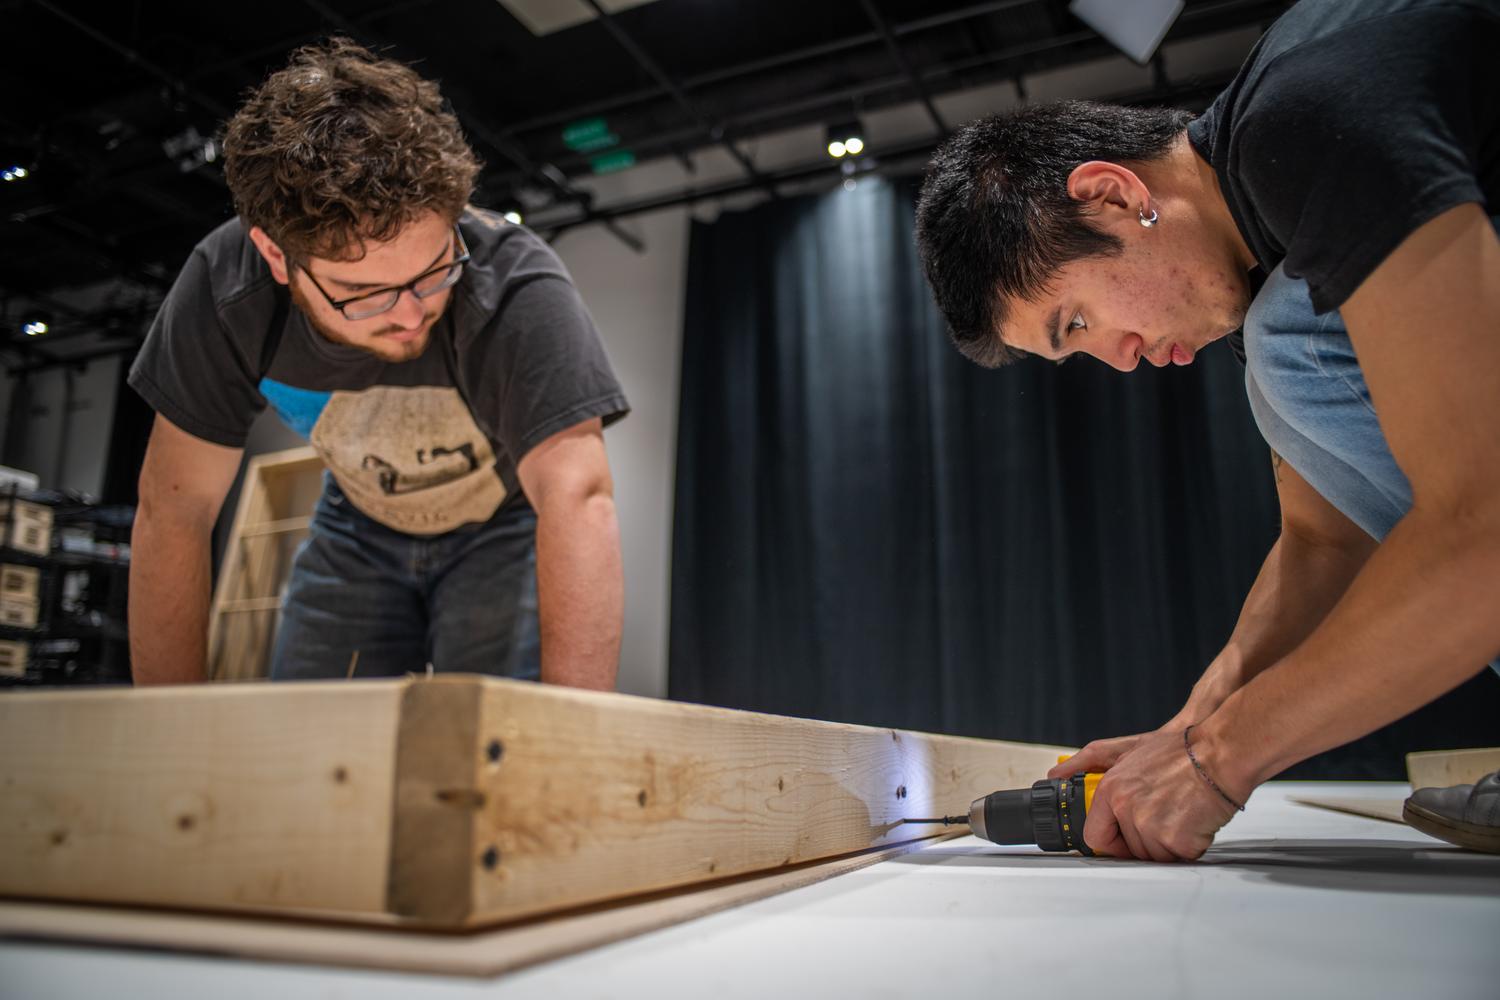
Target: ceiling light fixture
{"x":845,"y":139}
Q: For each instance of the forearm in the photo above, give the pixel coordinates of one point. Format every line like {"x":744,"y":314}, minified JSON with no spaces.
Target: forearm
{"x":169,"y":587}
{"x":580,"y":591}
{"x":1417,"y":621}
{"x":1297,"y":586}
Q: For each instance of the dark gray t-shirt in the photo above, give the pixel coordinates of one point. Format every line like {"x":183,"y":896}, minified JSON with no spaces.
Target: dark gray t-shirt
{"x":423,"y":446}
{"x":1350,"y":125}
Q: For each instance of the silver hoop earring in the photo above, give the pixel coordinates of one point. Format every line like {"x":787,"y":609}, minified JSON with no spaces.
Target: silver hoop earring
{"x":1148,"y":221}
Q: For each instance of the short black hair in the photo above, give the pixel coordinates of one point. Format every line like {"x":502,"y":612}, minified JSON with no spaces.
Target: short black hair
{"x":995,"y":221}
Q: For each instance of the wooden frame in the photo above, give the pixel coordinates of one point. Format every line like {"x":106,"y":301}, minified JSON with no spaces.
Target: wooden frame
{"x":1444,"y":768}
{"x":453,"y":802}
{"x":275,"y":508}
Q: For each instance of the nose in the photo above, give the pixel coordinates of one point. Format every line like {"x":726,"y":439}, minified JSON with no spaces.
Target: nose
{"x":1123,"y":354}
{"x":408,"y":312}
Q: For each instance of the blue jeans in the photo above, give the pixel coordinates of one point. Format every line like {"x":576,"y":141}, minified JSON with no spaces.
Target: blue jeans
{"x":464,"y":601}
{"x":1310,"y":400}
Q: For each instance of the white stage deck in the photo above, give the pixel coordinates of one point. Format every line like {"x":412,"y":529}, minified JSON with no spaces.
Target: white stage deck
{"x":1291,"y":902}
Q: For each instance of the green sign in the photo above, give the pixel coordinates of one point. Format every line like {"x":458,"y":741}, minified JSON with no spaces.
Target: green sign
{"x":589,"y":134}
{"x":610,"y":162}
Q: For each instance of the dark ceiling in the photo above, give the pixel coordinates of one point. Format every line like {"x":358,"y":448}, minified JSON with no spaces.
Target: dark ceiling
{"x":112,"y":108}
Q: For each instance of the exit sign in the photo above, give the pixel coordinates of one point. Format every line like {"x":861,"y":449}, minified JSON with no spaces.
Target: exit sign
{"x":589,"y":136}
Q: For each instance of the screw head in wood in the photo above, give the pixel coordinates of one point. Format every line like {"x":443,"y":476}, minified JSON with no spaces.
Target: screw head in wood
{"x":494,"y":751}
{"x":490,"y":858}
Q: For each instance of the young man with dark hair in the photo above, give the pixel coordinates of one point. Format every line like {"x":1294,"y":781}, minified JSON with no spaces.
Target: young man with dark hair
{"x":438,"y":359}
{"x":1351,"y":171}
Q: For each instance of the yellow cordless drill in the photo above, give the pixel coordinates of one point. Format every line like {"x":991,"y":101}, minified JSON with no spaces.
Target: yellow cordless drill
{"x":1049,"y":814}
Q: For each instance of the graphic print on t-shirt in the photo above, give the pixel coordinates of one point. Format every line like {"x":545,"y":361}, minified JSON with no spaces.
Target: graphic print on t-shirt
{"x":412,"y":458}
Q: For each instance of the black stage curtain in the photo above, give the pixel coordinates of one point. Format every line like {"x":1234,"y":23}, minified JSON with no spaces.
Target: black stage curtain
{"x":871,"y":529}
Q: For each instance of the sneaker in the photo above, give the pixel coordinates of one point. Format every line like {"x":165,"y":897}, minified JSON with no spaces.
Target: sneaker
{"x":1466,"y":815}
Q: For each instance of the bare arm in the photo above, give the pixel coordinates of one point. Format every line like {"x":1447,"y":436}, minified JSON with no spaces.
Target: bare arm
{"x":1307,"y":571}
{"x":1420,"y":617}
{"x":580,"y":589}
{"x":182,"y":486}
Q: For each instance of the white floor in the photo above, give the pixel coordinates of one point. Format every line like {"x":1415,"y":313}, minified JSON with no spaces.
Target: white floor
{"x":1291,"y":902}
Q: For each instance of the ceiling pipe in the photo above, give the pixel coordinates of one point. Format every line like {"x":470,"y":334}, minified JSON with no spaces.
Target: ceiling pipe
{"x":714,"y":132}
{"x":899,"y":58}
{"x":891,"y":157}
{"x":550,"y":177}
{"x":760,"y":65}
{"x":133,"y":57}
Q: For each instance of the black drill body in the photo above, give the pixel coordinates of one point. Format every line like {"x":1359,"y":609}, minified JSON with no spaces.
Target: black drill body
{"x":1049,"y":814}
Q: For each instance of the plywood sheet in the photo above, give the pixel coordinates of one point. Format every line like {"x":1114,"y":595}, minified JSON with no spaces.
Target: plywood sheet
{"x":1371,"y":808}
{"x":480,"y":953}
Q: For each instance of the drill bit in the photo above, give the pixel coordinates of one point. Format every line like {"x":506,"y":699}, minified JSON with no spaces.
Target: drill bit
{"x":945,"y":820}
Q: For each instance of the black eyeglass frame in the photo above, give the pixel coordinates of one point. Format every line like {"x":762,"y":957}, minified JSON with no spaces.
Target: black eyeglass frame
{"x":340,"y":304}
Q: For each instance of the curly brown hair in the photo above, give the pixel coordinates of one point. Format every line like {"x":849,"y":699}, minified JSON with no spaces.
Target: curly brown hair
{"x":341,"y":147}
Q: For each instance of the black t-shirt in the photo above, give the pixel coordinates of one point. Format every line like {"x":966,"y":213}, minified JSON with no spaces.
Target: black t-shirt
{"x":423,"y":446}
{"x":1351,"y":124}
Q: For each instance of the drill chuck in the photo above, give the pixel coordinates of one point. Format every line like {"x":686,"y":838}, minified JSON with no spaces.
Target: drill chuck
{"x":1049,"y":814}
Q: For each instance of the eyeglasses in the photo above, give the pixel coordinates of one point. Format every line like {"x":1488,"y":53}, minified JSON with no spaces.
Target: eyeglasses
{"x":424,"y":285}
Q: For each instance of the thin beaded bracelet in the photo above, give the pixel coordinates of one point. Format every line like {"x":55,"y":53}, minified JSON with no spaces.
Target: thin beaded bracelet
{"x":1199,"y":768}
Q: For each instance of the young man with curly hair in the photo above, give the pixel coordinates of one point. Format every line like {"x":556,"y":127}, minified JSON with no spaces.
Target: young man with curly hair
{"x":1336,"y":203}
{"x":439,"y":360}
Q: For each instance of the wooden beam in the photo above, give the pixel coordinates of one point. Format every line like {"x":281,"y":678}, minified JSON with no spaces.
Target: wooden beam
{"x":452,"y":802}
{"x":217,"y":796}
{"x":286,"y":524}
{"x":248,"y":604}
{"x":1444,"y":768}
{"x":277,"y":496}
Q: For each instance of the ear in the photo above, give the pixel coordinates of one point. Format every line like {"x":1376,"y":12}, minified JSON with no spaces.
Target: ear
{"x":1109,"y":189}
{"x":271,"y":252}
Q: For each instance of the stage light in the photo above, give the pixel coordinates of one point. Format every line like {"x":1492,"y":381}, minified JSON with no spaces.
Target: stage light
{"x":513,"y":217}
{"x":34,"y":328}
{"x":14,"y":173}
{"x":845,"y":139}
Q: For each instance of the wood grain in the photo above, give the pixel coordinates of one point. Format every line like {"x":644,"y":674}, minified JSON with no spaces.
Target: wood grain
{"x":278,"y":494}
{"x":216,"y":796}
{"x":432,"y":846}
{"x":598,"y":795}
{"x":1444,"y":768}
{"x":451,"y":802}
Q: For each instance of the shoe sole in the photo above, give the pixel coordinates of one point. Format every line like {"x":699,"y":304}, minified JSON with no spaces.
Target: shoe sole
{"x":1470,"y":835}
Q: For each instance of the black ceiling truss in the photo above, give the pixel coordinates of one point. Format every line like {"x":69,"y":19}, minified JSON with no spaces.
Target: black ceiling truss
{"x":178,"y":85}
{"x":758,"y":66}
{"x":115,"y":208}
{"x":713,"y":132}
{"x":1008,"y":63}
{"x":551,"y":178}
{"x":897,"y":160}
{"x":894,"y":47}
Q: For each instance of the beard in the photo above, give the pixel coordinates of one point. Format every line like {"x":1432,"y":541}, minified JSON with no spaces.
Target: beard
{"x":376,"y":343}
